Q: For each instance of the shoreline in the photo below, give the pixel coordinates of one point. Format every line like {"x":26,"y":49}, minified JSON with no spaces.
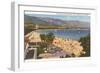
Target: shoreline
{"x":63,"y":29}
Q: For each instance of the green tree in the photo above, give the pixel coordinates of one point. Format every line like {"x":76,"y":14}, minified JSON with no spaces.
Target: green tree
{"x":47,"y":40}
{"x":50,"y":37}
{"x":85,"y":42}
{"x":43,"y":37}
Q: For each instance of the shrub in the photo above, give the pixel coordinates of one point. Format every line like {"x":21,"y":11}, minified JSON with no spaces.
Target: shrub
{"x":85,"y":42}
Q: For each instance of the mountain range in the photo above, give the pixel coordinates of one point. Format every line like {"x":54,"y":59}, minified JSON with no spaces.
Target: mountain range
{"x":46,"y":22}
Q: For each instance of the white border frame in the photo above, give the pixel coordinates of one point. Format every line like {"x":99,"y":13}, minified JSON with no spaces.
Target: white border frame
{"x":17,"y":60}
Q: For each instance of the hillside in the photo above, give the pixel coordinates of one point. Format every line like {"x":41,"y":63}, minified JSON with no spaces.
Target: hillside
{"x":30,"y":23}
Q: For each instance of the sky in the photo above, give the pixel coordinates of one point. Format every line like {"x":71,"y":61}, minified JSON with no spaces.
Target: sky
{"x":84,"y":18}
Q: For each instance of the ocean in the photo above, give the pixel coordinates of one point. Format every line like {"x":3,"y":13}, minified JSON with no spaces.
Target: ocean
{"x":74,"y":34}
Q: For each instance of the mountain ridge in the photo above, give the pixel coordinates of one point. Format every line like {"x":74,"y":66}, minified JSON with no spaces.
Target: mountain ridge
{"x":46,"y":21}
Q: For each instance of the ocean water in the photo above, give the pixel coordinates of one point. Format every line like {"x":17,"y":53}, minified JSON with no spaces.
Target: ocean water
{"x":74,"y":34}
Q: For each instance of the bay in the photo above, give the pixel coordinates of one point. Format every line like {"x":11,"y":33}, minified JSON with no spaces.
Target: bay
{"x":74,"y":34}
